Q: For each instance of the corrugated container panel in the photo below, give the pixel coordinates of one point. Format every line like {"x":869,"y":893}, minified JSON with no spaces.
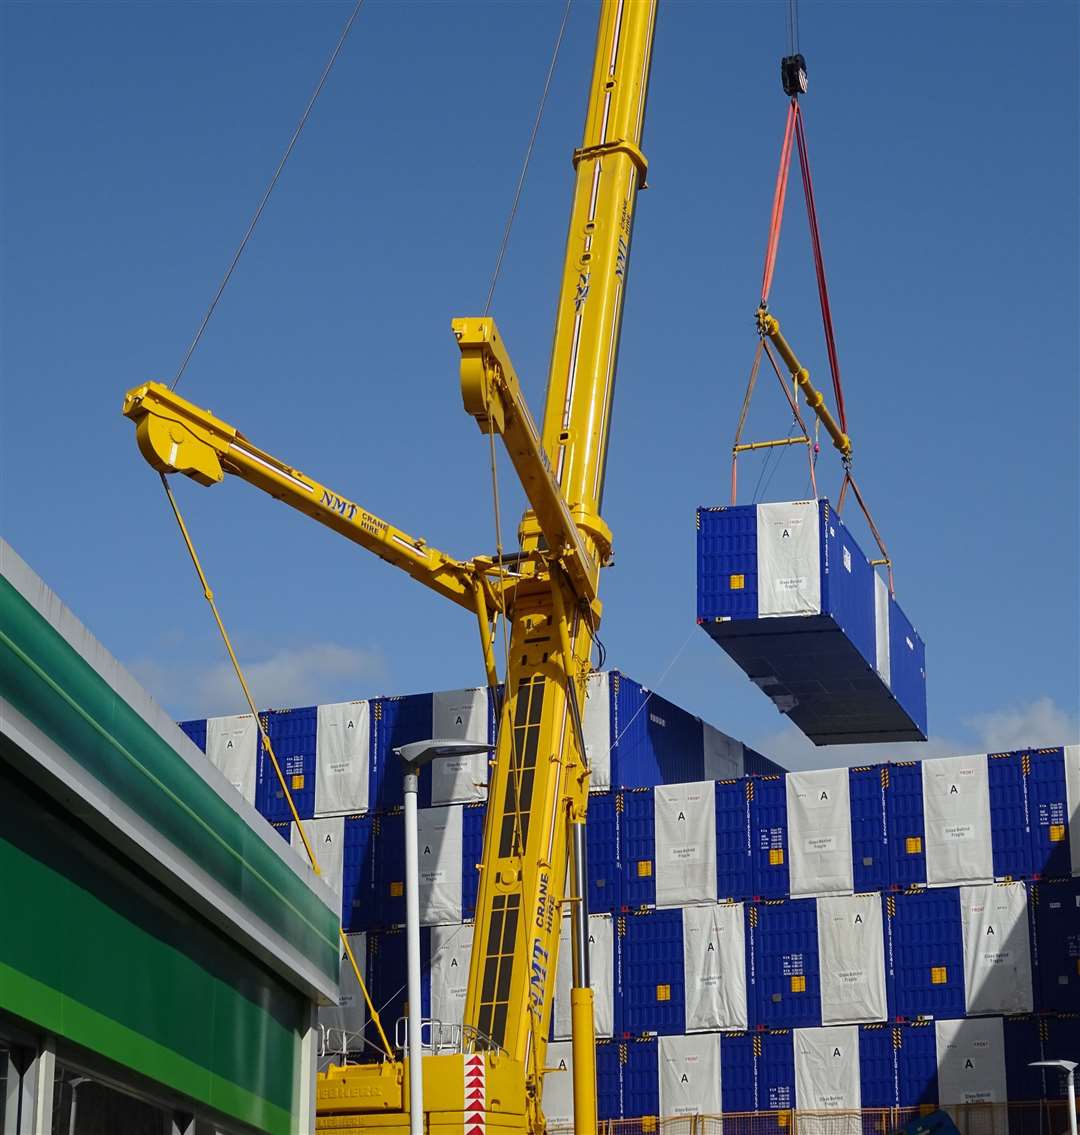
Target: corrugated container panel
{"x":602,"y":847}
{"x":769,"y":836}
{"x":1023,"y":1044}
{"x":472,"y":852}
{"x":877,"y":1066}
{"x":785,"y":986}
{"x":608,"y":1080}
{"x":916,"y":1063}
{"x":394,"y":722}
{"x":359,"y":900}
{"x":653,"y":980}
{"x":907,"y":825}
{"x":387,"y":978}
{"x":1048,"y":813}
{"x":925,"y":954}
{"x":787,"y":593}
{"x":737,"y":1085}
{"x":653,"y":741}
{"x":757,"y":765}
{"x":734,"y":863}
{"x":640,"y":1077}
{"x":292,"y":734}
{"x":1010,"y":836}
{"x":869,"y":830}
{"x":1057,"y":945}
{"x":637,"y":836}
{"x":196,"y":731}
{"x":775,"y":1061}
{"x":1060,"y":1041}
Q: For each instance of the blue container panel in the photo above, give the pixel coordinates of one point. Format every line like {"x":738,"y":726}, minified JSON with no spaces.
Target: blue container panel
{"x":397,"y":721}
{"x":358,"y":875}
{"x":284,"y":830}
{"x":734,"y":863}
{"x":1048,"y":813}
{"x":608,"y":1080}
{"x":1023,"y":1045}
{"x":196,"y":731}
{"x":727,"y":562}
{"x":1060,"y":1041}
{"x":637,"y":839}
{"x":916,"y":1063}
{"x":641,"y":1083}
{"x":869,"y":839}
{"x":1009,"y":834}
{"x":387,"y":976}
{"x":926,"y":953}
{"x":775,"y":1070}
{"x":769,"y":836}
{"x":754,"y":764}
{"x":786,"y":989}
{"x":389,"y":840}
{"x":292,"y":734}
{"x":1057,"y":945}
{"x":472,"y":851}
{"x":653,"y":981}
{"x":602,"y":847}
{"x":848,"y":585}
{"x":907,"y":827}
{"x":737,"y":1072}
{"x":877,"y":1066}
{"x":653,"y":741}
{"x":907,"y":666}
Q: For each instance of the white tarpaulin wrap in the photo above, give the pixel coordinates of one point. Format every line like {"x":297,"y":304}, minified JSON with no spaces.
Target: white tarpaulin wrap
{"x":450,"y":949}
{"x":881,"y":628}
{"x":342,"y":758}
{"x":685,"y":828}
{"x":601,"y":973}
{"x":997,"y":957}
{"x":460,"y":715}
{"x":232,"y":745}
{"x":789,"y":559}
{"x":596,"y":725}
{"x":1072,"y":795}
{"x":723,"y":755}
{"x":851,"y":954}
{"x":956,"y":811}
{"x":819,"y":833}
{"x":439,"y":838}
{"x":714,"y":964}
{"x":689,"y":1075}
{"x":827,"y":1071}
{"x":350,"y":1013}
{"x":971,"y":1060}
{"x":558,"y":1096}
{"x":327,"y":839}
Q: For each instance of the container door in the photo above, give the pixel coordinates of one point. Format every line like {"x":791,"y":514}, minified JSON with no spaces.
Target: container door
{"x":714,"y":967}
{"x":342,"y":758}
{"x":851,"y":954}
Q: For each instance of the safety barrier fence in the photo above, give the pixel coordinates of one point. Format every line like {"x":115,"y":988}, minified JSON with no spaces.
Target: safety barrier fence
{"x":1037,"y":1117}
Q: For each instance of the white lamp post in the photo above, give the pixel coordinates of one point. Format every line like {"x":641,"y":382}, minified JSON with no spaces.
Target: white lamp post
{"x":415,"y":756}
{"x":1068,"y":1067}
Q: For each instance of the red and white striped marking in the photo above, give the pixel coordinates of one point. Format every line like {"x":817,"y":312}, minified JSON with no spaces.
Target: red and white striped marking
{"x":475,"y":1095}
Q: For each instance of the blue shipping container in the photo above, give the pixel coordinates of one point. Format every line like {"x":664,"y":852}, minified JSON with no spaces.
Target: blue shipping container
{"x":196,"y":731}
{"x":1057,"y":945}
{"x":769,"y":836}
{"x":869,"y":830}
{"x":653,"y":741}
{"x":394,"y":722}
{"x":916,"y":1063}
{"x":737,"y":1088}
{"x":608,"y":1081}
{"x":1060,"y":1036}
{"x":754,"y":764}
{"x":775,"y":1060}
{"x":820,"y":665}
{"x":1048,"y":813}
{"x":653,"y":991}
{"x":472,"y":852}
{"x":925,"y":951}
{"x":734,"y":863}
{"x":907,"y":826}
{"x":877,"y":1066}
{"x":359,"y":907}
{"x":640,"y":1077}
{"x":785,"y":983}
{"x":638,"y":841}
{"x":292,"y":735}
{"x":1010,"y":836}
{"x":602,"y":848}
{"x":1023,"y":1044}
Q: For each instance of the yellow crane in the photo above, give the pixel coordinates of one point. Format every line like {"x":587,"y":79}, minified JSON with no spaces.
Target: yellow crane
{"x":548,"y":594}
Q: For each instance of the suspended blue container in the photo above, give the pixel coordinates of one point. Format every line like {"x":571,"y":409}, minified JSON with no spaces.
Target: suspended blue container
{"x":734,"y":863}
{"x":1010,"y":836}
{"x":602,"y":848}
{"x":769,"y":836}
{"x":653,"y":978}
{"x":907,"y":826}
{"x":925,"y":950}
{"x":869,"y":829}
{"x":640,"y":1077}
{"x":916,"y":1063}
{"x":395,"y":722}
{"x":359,"y":908}
{"x":737,"y":1087}
{"x":775,"y":1075}
{"x":816,"y":630}
{"x":785,"y":987}
{"x":637,"y":836}
{"x":653,"y":741}
{"x":1057,"y":945}
{"x":877,"y":1066}
{"x":196,"y":731}
{"x":472,"y":852}
{"x":1048,"y":813}
{"x":292,"y":735}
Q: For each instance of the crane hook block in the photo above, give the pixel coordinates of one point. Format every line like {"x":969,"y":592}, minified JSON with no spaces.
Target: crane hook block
{"x":793,"y":75}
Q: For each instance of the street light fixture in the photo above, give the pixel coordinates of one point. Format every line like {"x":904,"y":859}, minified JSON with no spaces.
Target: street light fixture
{"x":415,"y":756}
{"x":1068,"y":1067}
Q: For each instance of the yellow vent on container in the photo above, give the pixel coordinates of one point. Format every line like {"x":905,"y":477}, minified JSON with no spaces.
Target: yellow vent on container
{"x":648,"y":1123}
{"x":1057,"y":833}
{"x":939,"y":975}
{"x":798,"y":983}
{"x":782,"y":1118}
{"x":913,"y":844}
{"x":776,"y":856}
{"x":644,"y":868}
{"x":663,"y":993}
{"x":298,"y":782}
{"x":738,"y":582}
{"x":397,"y":890}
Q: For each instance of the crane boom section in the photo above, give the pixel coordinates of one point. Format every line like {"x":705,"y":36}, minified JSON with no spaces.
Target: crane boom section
{"x":176,"y":436}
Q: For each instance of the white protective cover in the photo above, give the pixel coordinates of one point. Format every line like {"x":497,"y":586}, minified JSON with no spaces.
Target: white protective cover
{"x":684,"y":821}
{"x":971,"y":1060}
{"x":342,"y":758}
{"x":789,"y":559}
{"x":881,"y":628}
{"x":439,"y":841}
{"x":350,"y":1013}
{"x":827,"y":1069}
{"x":601,"y":974}
{"x":449,"y":969}
{"x":596,"y":725}
{"x":327,"y":839}
{"x":558,"y":1098}
{"x":689,"y":1075}
{"x":997,"y":957}
{"x":724,"y":758}
{"x":232,"y":745}
{"x":956,"y":811}
{"x":714,"y":965}
{"x":819,"y":833}
{"x":1072,"y":795}
{"x":851,"y":954}
{"x":460,"y":715}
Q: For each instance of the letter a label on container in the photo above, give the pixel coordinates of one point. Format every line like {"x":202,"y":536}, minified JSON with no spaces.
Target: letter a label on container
{"x":997,"y":956}
{"x":714,"y":964}
{"x":350,"y":1013}
{"x":450,"y":949}
{"x":971,"y":1060}
{"x":789,"y":559}
{"x":231,"y":745}
{"x":601,"y":968}
{"x":851,"y":953}
{"x":559,"y":1085}
{"x":685,"y":830}
{"x":827,"y":1072}
{"x":689,"y":1068}
{"x":342,"y":753}
{"x":327,"y":839}
{"x":956,"y":810}
{"x":439,"y":839}
{"x":460,"y":715}
{"x":819,"y":833}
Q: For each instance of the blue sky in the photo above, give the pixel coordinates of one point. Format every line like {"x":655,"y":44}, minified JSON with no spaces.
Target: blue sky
{"x":138,"y":138}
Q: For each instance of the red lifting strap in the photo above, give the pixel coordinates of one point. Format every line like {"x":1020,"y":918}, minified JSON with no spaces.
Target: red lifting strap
{"x":794,"y":126}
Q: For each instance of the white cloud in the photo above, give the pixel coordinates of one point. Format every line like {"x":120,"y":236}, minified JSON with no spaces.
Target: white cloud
{"x":1041,"y":723}
{"x":794,"y":750}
